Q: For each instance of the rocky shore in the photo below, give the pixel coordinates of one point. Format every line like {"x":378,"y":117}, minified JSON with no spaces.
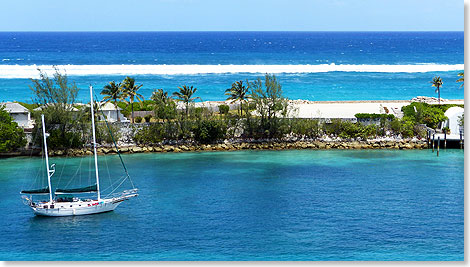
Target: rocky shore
{"x":317,"y":144}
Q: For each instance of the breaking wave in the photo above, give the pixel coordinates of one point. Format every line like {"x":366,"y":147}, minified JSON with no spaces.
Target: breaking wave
{"x":30,"y":71}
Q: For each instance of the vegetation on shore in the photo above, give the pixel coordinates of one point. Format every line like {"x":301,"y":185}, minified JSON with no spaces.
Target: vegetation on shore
{"x":56,"y":98}
{"x":11,"y":136}
{"x":262,"y":113}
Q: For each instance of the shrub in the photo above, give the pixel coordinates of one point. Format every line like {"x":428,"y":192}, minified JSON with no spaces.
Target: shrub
{"x":374,"y":116}
{"x":103,"y":134}
{"x":224,"y":109}
{"x":64,"y":140}
{"x":146,"y":105}
{"x":395,"y":125}
{"x":306,"y":127}
{"x":347,"y":129}
{"x":165,"y":110}
{"x":11,"y":136}
{"x":427,"y":114}
{"x":407,"y":127}
{"x":138,"y":119}
{"x":251,"y":106}
{"x":200,"y":112}
{"x":208,"y":131}
{"x":335,"y":127}
{"x":151,"y":134}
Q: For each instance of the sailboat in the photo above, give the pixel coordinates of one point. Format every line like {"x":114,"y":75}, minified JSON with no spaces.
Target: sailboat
{"x":63,"y":202}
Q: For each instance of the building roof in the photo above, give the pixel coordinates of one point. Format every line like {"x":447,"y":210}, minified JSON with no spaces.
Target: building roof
{"x":108,"y":106}
{"x":12,"y":107}
{"x":451,"y":112}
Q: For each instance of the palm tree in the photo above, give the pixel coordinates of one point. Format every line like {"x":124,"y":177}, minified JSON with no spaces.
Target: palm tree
{"x":160,"y":96}
{"x":238,"y":92}
{"x":112,"y":93}
{"x":130,"y":90}
{"x":460,"y":80}
{"x":185,"y":95}
{"x":164,"y":107}
{"x":437,"y":82}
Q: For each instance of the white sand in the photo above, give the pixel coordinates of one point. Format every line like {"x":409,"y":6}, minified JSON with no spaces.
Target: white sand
{"x":339,"y":109}
{"x":347,"y":109}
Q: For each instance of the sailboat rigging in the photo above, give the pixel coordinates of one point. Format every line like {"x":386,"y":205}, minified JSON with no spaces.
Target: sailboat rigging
{"x":61,"y":202}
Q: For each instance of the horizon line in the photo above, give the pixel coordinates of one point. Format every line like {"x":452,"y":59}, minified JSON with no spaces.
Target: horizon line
{"x":144,"y":31}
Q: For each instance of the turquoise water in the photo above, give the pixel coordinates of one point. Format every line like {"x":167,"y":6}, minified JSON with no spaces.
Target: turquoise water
{"x":252,"y":205}
{"x":98,"y":50}
{"x":332,"y":86}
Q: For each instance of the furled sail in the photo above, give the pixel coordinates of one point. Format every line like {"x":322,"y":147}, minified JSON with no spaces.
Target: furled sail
{"x":36,"y":191}
{"x":88,"y":189}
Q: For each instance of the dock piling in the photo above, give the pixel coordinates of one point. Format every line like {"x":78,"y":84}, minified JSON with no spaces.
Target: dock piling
{"x":438,"y":144}
{"x":445,"y":140}
{"x":428,"y":136}
{"x":432,"y":143}
{"x":460,"y":139}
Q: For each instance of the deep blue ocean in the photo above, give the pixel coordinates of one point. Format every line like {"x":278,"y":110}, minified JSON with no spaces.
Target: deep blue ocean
{"x":251,"y":205}
{"x":98,"y":50}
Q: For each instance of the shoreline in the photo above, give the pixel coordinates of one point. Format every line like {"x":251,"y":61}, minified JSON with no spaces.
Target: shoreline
{"x":304,"y":109}
{"x":403,"y":144}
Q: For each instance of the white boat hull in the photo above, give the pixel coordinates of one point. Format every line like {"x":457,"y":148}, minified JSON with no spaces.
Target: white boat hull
{"x":76,"y":208}
{"x":75,"y":211}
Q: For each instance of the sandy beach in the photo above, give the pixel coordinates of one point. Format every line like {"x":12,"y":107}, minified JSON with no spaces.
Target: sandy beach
{"x":341,"y":109}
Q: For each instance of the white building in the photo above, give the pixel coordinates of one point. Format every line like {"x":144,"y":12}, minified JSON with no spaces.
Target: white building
{"x":453,"y":122}
{"x":112,"y":113}
{"x":20,"y":114}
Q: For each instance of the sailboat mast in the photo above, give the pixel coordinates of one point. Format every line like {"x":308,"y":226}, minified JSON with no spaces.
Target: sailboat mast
{"x":94,"y":143}
{"x":47,"y":158}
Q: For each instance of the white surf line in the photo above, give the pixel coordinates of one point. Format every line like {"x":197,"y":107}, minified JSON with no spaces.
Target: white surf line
{"x":30,"y":71}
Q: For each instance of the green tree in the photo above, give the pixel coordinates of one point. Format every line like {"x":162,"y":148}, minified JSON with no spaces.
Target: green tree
{"x":437,"y":82}
{"x":11,"y":136}
{"x":461,"y":79}
{"x":150,"y":134}
{"x":112,"y":93}
{"x":209,"y":131}
{"x":306,"y":127}
{"x":270,"y":104}
{"x":423,"y":113}
{"x":238,"y":92}
{"x":160,"y":96}
{"x":165,"y":107}
{"x":224,"y":109}
{"x":55,"y":90}
{"x":56,"y":98}
{"x":185,"y":95}
{"x":130,"y":89}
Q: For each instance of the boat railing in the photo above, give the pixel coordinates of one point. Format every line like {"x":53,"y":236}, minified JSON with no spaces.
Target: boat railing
{"x":124,"y":193}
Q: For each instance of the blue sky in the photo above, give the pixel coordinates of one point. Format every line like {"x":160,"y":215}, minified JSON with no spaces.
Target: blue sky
{"x":232,"y":15}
